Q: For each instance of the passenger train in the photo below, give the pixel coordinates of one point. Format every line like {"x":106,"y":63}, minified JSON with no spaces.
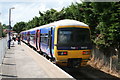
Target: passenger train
{"x":66,"y":42}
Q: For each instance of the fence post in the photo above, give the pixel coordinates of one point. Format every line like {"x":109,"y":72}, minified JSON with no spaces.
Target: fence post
{"x":110,"y":64}
{"x":0,"y":51}
{"x":118,"y":63}
{"x":0,"y":58}
{"x":0,"y":30}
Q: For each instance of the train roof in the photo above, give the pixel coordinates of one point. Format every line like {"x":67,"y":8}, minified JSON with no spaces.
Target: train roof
{"x":65,"y":22}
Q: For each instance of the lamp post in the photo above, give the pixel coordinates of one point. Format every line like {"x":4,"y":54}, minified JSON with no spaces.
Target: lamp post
{"x":9,"y":27}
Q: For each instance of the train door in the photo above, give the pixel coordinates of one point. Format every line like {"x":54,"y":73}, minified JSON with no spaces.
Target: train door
{"x":39,"y":40}
{"x":36,"y":39}
{"x":28,"y":37}
{"x":22,"y":36}
{"x":50,"y":42}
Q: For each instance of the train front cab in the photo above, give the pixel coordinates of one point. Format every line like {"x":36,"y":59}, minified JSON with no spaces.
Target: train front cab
{"x":70,"y":48}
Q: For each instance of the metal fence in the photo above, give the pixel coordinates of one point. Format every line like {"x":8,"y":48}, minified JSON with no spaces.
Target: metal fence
{"x":3,"y":48}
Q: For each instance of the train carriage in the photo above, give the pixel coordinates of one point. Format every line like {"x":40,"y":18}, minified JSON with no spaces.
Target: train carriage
{"x":67,"y":42}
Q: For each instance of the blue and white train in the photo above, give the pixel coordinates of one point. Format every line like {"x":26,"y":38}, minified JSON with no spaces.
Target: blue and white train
{"x":67,"y":42}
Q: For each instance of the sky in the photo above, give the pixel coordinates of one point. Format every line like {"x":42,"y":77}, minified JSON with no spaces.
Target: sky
{"x":25,"y":10}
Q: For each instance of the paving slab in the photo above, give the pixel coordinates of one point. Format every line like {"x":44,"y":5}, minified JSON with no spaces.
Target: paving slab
{"x":23,"y":62}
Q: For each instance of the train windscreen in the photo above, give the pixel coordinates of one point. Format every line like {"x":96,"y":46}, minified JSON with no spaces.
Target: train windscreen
{"x":73,"y":37}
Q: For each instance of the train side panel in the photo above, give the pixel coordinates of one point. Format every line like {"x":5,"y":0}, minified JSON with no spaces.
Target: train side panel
{"x":32,"y":38}
{"x":47,"y":45}
{"x":25,"y":37}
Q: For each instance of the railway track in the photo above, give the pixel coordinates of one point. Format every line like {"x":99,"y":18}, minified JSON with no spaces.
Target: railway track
{"x":88,"y":73}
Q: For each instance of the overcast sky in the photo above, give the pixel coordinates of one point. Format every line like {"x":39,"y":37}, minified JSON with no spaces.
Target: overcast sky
{"x":25,"y":10}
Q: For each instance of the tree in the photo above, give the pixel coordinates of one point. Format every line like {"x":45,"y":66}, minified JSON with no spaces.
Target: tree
{"x":18,"y":27}
{"x":108,"y":25}
{"x":101,"y":17}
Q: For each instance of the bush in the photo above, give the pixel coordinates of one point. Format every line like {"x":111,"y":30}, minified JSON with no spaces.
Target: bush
{"x":4,"y":34}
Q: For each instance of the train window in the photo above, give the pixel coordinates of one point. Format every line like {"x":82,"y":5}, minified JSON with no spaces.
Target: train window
{"x":64,"y":36}
{"x":25,"y":37}
{"x":73,"y":36}
{"x":32,"y":37}
{"x":44,"y":38}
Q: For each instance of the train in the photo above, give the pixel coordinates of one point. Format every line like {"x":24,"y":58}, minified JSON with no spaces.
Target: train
{"x":65,"y":42}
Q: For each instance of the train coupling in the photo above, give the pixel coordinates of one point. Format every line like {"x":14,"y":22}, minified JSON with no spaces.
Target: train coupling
{"x":74,"y":62}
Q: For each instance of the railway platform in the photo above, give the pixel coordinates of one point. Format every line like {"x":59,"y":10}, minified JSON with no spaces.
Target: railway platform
{"x":23,"y":62}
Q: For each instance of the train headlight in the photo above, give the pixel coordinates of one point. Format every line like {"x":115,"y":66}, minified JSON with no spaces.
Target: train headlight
{"x":86,"y":52}
{"x":62,"y":53}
